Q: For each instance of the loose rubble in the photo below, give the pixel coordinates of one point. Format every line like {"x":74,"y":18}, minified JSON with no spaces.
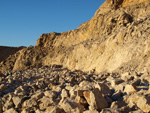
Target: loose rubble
{"x":54,"y":89}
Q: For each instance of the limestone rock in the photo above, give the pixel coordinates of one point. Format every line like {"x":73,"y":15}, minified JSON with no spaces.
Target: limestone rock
{"x":45,"y":102}
{"x":29,"y":103}
{"x":11,"y":110}
{"x":91,"y":111}
{"x":109,"y":110}
{"x":136,"y":111}
{"x":95,"y":100}
{"x":38,"y":95}
{"x":143,"y":103}
{"x":129,"y":89}
{"x":55,"y":110}
{"x":70,"y":106}
{"x":17,"y":100}
{"x":103,"y":88}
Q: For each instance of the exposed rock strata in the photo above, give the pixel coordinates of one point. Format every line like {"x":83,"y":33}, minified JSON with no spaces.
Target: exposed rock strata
{"x":115,"y":39}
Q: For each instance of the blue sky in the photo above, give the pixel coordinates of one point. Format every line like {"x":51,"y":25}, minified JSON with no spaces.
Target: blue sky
{"x":23,"y":21}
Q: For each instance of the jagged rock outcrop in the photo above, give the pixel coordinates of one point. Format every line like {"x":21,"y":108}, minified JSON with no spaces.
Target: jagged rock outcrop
{"x":116,"y":39}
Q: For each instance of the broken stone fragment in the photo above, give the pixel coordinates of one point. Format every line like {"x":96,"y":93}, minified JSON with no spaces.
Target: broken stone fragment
{"x":45,"y":102}
{"x":118,"y":104}
{"x":50,"y":94}
{"x":143,"y":103}
{"x":17,"y":100}
{"x":3,"y":87}
{"x":37,"y":95}
{"x":11,"y":110}
{"x":8,"y":104}
{"x":104,"y":89}
{"x":95,"y":100}
{"x":91,"y":111}
{"x":71,"y":106}
{"x":116,"y":95}
{"x":54,"y":109}
{"x":129,"y":89}
{"x":109,"y":110}
{"x":136,"y":111}
{"x":29,"y":103}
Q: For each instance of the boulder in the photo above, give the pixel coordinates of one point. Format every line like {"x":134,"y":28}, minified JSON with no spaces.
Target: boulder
{"x":17,"y":100}
{"x":45,"y":102}
{"x":54,"y":109}
{"x":11,"y":110}
{"x":103,"y":88}
{"x":143,"y":103}
{"x":37,"y":95}
{"x":70,"y":106}
{"x":95,"y":100}
{"x":29,"y":103}
{"x":129,"y":89}
{"x":8,"y":105}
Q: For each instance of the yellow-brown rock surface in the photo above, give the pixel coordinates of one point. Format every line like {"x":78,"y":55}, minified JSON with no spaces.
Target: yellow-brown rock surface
{"x":117,"y":38}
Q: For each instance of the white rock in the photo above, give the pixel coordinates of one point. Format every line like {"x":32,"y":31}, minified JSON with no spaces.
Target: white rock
{"x":129,"y":89}
{"x":95,"y":100}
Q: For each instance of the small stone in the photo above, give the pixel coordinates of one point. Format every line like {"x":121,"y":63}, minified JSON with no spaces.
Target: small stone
{"x":30,"y":103}
{"x":109,"y":110}
{"x":54,"y":109}
{"x":118,"y":104}
{"x":129,"y":89}
{"x":11,"y":110}
{"x":50,"y":94}
{"x":38,"y":95}
{"x":3,"y":87}
{"x":38,"y":111}
{"x":45,"y":102}
{"x":8,"y":105}
{"x":17,"y":100}
{"x":57,"y":88}
{"x":64,"y":93}
{"x":137,"y":111}
{"x":143,"y":103}
{"x":71,"y":106}
{"x":126,"y":76}
{"x":91,"y":111}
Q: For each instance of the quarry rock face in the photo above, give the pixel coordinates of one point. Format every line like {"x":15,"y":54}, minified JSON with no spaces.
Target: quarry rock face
{"x":115,"y":39}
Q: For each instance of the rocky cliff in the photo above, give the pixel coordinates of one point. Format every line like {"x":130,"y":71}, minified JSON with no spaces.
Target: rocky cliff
{"x":116,"y":39}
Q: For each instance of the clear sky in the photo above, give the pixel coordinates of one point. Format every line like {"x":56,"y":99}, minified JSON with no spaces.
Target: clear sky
{"x":23,"y":21}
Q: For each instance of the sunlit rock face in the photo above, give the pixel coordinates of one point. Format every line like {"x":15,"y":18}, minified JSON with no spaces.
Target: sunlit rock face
{"x":117,"y":38}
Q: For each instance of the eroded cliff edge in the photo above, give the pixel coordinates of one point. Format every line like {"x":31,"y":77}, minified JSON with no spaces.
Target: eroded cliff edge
{"x":116,"y":39}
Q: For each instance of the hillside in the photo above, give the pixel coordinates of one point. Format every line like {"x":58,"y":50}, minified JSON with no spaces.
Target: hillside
{"x":117,"y":37}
